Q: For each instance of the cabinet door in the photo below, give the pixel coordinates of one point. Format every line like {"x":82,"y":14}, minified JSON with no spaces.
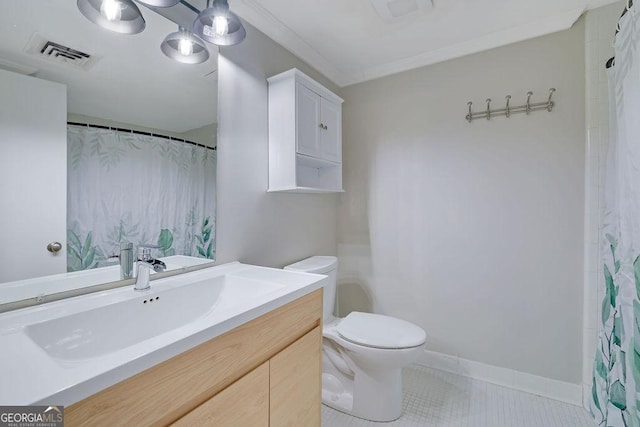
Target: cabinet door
{"x":307,"y":121}
{"x":331,"y":135}
{"x":243,"y":403}
{"x":296,"y":383}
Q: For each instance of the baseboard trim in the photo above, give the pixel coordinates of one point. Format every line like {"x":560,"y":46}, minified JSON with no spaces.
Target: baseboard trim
{"x":541,"y":386}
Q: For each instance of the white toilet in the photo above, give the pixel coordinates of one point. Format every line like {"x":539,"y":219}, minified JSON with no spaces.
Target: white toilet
{"x":362,"y":354}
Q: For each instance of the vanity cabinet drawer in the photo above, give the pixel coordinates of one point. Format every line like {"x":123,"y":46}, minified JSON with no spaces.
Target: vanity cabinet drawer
{"x":243,"y":403}
{"x":166,"y":392}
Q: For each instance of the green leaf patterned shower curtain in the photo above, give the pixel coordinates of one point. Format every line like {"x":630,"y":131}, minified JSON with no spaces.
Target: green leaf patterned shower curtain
{"x":125,"y":187}
{"x":615,"y":394}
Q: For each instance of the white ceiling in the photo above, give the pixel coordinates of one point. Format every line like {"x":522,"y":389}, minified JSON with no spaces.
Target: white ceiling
{"x":132,"y":81}
{"x":346,"y":40}
{"x":349,"y":42}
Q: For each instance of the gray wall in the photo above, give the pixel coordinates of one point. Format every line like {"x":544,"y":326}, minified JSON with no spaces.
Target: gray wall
{"x":473,"y":231}
{"x":253,"y":226}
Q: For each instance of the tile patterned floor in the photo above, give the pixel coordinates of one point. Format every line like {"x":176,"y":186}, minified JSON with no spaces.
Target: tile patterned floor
{"x":434,"y":398}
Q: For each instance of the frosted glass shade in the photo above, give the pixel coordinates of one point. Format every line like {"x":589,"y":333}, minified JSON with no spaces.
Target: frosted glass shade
{"x":207,"y":25}
{"x":171,"y":47}
{"x":129,"y":21}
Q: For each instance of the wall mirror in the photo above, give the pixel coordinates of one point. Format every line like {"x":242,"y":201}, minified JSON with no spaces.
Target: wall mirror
{"x":134,"y":96}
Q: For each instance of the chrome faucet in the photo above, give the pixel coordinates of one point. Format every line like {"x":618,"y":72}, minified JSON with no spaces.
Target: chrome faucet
{"x":126,"y":260}
{"x":143,"y":267}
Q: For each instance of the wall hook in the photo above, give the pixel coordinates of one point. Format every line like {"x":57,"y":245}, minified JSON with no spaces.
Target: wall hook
{"x":550,"y":103}
{"x":509,"y":110}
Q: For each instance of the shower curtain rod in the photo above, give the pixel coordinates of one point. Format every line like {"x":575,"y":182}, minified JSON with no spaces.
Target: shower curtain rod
{"x":612,"y":61}
{"x":171,"y":138}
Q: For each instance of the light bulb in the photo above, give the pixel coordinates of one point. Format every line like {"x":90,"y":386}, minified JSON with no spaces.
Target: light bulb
{"x":185,"y":47}
{"x":111,"y":9}
{"x":219,"y":27}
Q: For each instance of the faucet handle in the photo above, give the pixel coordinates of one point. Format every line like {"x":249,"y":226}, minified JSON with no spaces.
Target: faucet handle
{"x":158,"y":265}
{"x":144,"y":251}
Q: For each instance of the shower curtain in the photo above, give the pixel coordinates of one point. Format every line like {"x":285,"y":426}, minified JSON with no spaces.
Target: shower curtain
{"x":616,"y":374}
{"x":126,"y":187}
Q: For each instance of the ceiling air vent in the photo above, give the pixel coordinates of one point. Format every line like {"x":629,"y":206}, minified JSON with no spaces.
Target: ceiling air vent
{"x":59,"y":53}
{"x":392,"y":10}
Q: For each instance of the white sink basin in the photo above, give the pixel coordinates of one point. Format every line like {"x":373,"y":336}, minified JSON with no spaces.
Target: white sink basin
{"x":99,"y":331}
{"x":67,"y":350}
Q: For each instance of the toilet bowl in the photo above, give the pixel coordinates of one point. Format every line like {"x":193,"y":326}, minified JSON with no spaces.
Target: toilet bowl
{"x":362,"y":354}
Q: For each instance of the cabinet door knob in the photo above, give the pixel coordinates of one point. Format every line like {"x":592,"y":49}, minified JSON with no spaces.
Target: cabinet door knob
{"x":323,"y":126}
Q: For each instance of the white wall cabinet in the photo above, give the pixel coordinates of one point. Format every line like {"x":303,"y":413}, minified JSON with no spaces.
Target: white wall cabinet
{"x":305,"y":135}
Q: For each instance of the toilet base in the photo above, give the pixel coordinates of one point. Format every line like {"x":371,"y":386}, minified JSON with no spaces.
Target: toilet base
{"x":335,"y":395}
{"x":378,"y":396}
{"x":363,"y":381}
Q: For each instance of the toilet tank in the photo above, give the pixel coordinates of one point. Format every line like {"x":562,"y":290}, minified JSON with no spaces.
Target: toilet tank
{"x":327,"y":265}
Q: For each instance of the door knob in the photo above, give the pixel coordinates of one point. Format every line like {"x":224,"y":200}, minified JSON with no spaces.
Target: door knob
{"x":54,"y":247}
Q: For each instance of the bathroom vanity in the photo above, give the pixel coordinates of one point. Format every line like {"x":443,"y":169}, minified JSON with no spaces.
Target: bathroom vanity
{"x":265,"y":372}
{"x":226,"y":345}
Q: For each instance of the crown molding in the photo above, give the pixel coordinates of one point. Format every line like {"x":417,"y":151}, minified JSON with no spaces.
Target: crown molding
{"x":531,"y":30}
{"x":255,"y":14}
{"x":262,"y":19}
{"x":15,"y":67}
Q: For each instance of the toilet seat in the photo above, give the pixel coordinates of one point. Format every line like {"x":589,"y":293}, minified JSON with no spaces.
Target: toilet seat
{"x":378,"y":331}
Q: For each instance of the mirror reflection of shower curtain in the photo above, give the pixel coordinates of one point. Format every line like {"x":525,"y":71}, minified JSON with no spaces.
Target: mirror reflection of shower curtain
{"x":126,"y":187}
{"x":616,"y":374}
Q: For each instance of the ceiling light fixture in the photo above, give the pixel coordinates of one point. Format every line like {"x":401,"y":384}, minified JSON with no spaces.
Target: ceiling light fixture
{"x":218,"y":25}
{"x":120,"y":16}
{"x":185,"y":47}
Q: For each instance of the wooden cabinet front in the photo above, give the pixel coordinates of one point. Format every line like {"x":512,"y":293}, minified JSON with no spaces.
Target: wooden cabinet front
{"x":296,"y":383}
{"x":244,"y":403}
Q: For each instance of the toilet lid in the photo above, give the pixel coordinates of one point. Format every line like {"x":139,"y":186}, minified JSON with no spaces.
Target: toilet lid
{"x":375,"y":330}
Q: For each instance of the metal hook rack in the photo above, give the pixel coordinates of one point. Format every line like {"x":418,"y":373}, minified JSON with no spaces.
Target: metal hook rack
{"x":508,"y":110}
